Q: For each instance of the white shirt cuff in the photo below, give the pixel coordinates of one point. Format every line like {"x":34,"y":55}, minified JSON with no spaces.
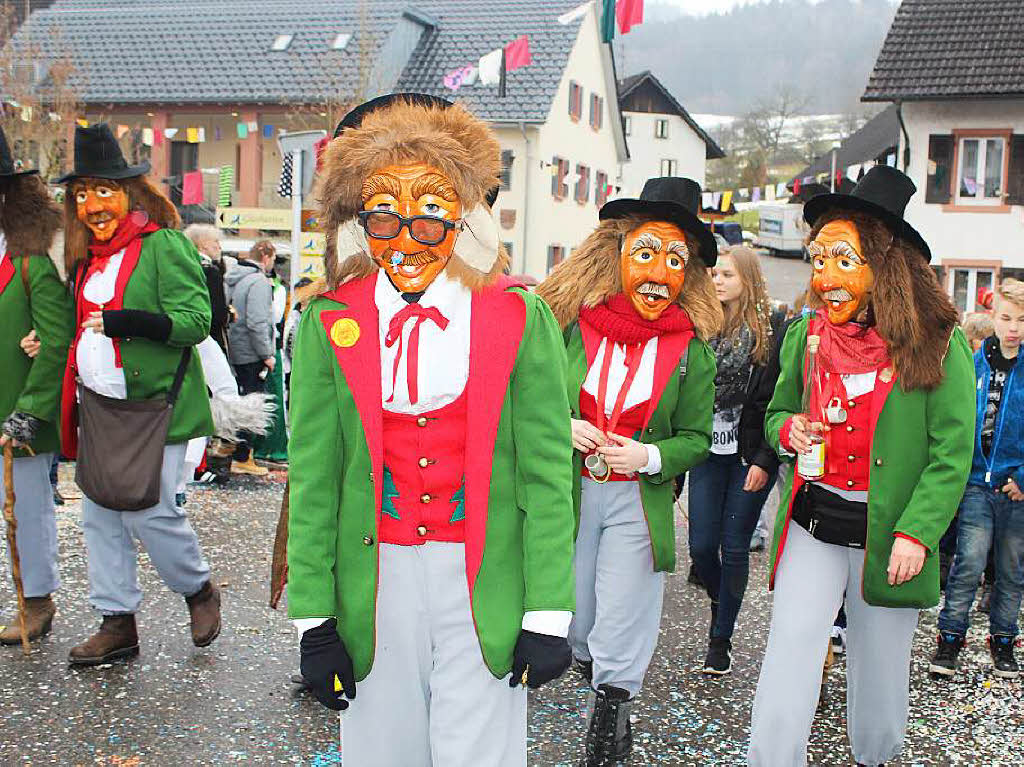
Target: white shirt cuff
{"x":653,"y":460}
{"x":551,"y":622}
{"x":302,"y":625}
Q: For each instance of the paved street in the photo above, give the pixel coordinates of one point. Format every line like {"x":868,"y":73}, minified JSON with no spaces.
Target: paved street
{"x":786,"y":277}
{"x":232,"y":702}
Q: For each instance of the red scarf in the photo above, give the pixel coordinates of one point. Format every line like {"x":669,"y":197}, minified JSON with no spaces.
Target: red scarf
{"x":618,"y":320}
{"x":846,"y":349}
{"x":131,"y":226}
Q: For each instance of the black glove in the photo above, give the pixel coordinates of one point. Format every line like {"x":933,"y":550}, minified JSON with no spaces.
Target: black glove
{"x":21,"y":427}
{"x":324,"y":657}
{"x":541,"y":656}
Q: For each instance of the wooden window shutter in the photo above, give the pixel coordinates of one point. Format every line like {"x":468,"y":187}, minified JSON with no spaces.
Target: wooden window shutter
{"x":1015,"y":182}
{"x":940,"y":168}
{"x":506,"y":169}
{"x":556,"y":170}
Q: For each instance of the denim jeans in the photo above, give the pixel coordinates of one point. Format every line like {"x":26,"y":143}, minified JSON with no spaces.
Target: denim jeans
{"x":987,"y":518}
{"x":722,"y":519}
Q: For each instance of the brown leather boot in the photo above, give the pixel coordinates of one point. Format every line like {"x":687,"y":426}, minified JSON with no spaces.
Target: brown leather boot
{"x":116,"y":638}
{"x":39,"y":613}
{"x":204,"y":610}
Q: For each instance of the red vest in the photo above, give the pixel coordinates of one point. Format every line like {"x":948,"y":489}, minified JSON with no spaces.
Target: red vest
{"x":630,"y":422}
{"x":848,"y":447}
{"x":423,"y":496}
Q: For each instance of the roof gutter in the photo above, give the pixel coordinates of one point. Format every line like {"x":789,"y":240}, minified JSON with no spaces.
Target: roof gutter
{"x":906,"y":136}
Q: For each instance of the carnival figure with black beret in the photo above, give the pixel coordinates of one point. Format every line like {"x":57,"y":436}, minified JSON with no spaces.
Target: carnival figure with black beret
{"x":32,"y":298}
{"x":134,"y":392}
{"x":637,"y":306}
{"x":874,"y":402}
{"x":430,"y":530}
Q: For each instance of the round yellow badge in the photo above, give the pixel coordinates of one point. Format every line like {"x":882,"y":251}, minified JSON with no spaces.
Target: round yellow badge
{"x":345,"y":332}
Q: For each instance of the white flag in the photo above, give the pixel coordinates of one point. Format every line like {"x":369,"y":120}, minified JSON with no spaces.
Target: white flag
{"x":769,"y":192}
{"x":489,"y":68}
{"x":743,"y":192}
{"x":576,"y":13}
{"x":705,"y":200}
{"x":780,"y":189}
{"x":852,"y":172}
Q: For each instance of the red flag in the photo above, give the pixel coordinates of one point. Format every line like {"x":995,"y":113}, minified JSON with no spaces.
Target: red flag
{"x":192,"y":188}
{"x":517,"y":53}
{"x":629,"y":13}
{"x":796,"y":186}
{"x":318,"y":149}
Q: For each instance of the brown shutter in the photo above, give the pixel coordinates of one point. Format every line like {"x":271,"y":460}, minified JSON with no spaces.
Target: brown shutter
{"x":940,"y":166}
{"x":1015,"y":181}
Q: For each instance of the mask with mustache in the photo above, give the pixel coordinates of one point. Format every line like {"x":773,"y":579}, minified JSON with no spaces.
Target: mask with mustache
{"x":653,"y":267}
{"x":841,"y":276}
{"x":412,"y":189}
{"x":101,"y":205}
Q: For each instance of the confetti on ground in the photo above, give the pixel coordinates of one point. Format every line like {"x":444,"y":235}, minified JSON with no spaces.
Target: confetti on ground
{"x":233,"y":702}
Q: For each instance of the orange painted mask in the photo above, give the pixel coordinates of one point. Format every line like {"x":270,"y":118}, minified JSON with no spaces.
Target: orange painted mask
{"x":841,"y":276}
{"x":653,"y":265}
{"x":101,"y":205}
{"x":411,"y":216}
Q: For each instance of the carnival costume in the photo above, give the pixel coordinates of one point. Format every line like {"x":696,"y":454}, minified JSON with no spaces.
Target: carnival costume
{"x":32,"y":297}
{"x":887,"y":375}
{"x":430,"y":533}
{"x":637,"y":306}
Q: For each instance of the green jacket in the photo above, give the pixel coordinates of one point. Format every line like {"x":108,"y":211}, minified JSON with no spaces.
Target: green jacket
{"x":168,"y":279}
{"x":921,"y":453}
{"x":680,"y":426}
{"x":519,"y":528}
{"x":33,"y":385}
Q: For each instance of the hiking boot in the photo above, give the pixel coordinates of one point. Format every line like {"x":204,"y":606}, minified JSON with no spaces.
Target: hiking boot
{"x":609,"y":732}
{"x":1004,"y":665}
{"x":204,"y":612}
{"x":718,"y":661}
{"x":985,"y":600}
{"x":944,"y":661}
{"x":585,"y":667}
{"x":250,"y":467}
{"x":39,"y":613}
{"x":117,"y":638}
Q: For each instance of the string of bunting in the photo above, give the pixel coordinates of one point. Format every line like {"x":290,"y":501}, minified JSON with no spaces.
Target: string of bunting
{"x":722,"y":202}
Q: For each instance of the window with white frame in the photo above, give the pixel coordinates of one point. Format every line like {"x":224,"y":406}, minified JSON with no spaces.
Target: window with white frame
{"x":669,"y":167}
{"x":661,"y":128}
{"x":980,"y":173}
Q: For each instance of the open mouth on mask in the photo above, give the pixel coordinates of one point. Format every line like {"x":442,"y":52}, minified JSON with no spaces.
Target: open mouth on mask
{"x":101,"y":221}
{"x":409,"y":264}
{"x":837,"y":297}
{"x":653,"y":292}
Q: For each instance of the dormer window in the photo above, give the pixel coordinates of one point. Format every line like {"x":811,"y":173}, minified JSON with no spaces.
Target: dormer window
{"x":341,"y":41}
{"x":281,"y":42}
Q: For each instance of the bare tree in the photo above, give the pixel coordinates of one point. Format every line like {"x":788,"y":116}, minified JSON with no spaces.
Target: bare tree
{"x":766,"y":124}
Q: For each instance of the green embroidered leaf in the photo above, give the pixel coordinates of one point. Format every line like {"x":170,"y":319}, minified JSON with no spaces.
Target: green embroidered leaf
{"x":459,"y":499}
{"x":388,"y":495}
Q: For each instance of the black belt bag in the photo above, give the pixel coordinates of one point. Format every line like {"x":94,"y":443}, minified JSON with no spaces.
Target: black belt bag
{"x":121,"y":445}
{"x":829,"y":517}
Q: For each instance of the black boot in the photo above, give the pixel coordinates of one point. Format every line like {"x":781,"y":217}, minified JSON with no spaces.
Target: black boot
{"x":585,"y":667}
{"x":609,"y":733}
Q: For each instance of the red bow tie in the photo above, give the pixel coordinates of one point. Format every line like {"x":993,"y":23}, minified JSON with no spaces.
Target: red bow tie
{"x":419,"y":315}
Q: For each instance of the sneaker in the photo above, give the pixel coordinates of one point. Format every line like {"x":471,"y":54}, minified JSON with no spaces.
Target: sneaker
{"x":757,"y":543}
{"x":585,"y":668}
{"x":179,"y":500}
{"x":985,"y":600}
{"x":944,"y":661}
{"x":1004,"y":665}
{"x":719,"y":658}
{"x":838,"y":640}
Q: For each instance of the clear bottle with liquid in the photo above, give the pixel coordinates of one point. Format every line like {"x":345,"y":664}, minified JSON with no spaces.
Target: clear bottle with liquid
{"x":811,"y":465}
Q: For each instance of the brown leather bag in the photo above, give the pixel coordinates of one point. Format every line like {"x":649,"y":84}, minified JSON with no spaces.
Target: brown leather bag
{"x":121,"y":445}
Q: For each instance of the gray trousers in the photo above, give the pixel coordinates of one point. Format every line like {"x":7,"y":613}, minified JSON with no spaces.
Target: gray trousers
{"x":429,"y":700}
{"x":618,"y":594}
{"x":163,"y":530}
{"x":809,"y":586}
{"x":37,"y":524}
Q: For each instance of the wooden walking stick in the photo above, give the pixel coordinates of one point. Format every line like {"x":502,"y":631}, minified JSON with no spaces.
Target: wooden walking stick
{"x":12,"y":540}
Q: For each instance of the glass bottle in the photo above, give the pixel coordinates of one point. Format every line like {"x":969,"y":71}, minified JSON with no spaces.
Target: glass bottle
{"x":811,"y":465}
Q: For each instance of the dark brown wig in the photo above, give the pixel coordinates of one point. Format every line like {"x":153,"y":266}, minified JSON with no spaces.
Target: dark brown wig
{"x":29,"y":217}
{"x":142,"y":195}
{"x":909,"y":308}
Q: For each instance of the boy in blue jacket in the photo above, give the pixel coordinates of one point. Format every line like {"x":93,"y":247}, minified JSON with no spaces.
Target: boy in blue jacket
{"x":992,"y":509}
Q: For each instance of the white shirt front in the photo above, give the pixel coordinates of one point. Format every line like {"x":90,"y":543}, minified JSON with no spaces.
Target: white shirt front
{"x":97,"y":366}
{"x":443,"y":367}
{"x":3,"y":246}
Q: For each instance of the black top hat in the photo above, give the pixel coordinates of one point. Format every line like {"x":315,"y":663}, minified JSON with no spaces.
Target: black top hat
{"x":354,"y":118}
{"x":671,"y":199}
{"x":7,"y":169}
{"x":883,"y":192}
{"x":98,"y":155}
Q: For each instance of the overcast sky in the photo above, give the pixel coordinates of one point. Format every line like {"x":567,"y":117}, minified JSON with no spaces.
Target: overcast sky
{"x":704,"y":6}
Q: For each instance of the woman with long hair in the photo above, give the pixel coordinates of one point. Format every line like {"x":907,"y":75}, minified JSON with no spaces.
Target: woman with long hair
{"x":728,"y":490}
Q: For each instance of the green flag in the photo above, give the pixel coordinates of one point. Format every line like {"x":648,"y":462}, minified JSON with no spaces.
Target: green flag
{"x":608,"y":21}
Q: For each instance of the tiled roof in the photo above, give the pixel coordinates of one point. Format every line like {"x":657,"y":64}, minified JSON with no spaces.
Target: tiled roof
{"x":875,"y":138}
{"x":628,"y":84}
{"x":218,"y":51}
{"x":951,"y":49}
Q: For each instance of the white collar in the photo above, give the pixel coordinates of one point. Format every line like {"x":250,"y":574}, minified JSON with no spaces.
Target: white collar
{"x":444,"y":293}
{"x":3,"y":245}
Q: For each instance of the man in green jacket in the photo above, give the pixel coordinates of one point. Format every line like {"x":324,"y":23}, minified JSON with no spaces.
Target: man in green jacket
{"x":32,"y":297}
{"x":875,"y":401}
{"x":430,"y":533}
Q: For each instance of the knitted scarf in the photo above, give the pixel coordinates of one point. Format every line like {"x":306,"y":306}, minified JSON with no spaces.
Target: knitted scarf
{"x":617,"y":319}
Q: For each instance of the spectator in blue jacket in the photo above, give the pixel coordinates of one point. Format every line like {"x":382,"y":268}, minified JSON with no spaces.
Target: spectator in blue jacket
{"x":992,"y":509}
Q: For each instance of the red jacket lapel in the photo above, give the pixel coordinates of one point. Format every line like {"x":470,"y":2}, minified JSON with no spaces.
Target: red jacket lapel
{"x":496,"y":329}
{"x":671,"y":347}
{"x":354,"y":336}
{"x":6,"y":272}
